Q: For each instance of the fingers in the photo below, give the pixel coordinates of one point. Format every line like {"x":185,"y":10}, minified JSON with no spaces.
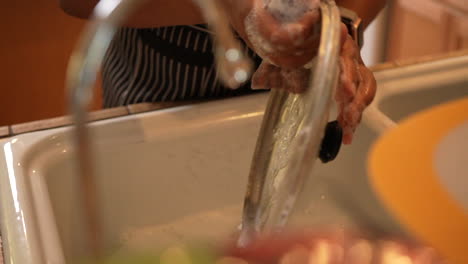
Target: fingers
{"x":356,"y":90}
{"x":296,"y":57}
{"x":260,"y":77}
{"x":281,"y":30}
{"x":352,"y":112}
{"x":290,"y":44}
{"x":292,"y":35}
{"x":295,"y":80}
{"x":368,"y":86}
{"x":269,"y":76}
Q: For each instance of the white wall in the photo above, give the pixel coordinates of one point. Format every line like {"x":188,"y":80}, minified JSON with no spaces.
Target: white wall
{"x":373,"y":51}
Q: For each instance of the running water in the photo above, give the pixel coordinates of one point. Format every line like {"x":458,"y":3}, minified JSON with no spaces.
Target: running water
{"x":294,"y":124}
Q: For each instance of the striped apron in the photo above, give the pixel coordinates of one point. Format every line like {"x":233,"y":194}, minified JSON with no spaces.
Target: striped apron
{"x":163,"y":64}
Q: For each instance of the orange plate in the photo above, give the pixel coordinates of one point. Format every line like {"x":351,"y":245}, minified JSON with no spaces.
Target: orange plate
{"x":402,"y":172}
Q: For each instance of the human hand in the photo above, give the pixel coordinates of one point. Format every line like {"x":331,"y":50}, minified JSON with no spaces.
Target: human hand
{"x":282,"y":38}
{"x":284,"y":33}
{"x":356,"y":88}
{"x":289,"y":40}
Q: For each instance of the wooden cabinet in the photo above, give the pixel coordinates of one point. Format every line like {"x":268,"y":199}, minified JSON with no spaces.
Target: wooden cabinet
{"x":427,"y":27}
{"x":37,"y":39}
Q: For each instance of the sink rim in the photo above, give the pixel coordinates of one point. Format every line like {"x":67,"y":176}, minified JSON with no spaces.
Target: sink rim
{"x":399,"y":80}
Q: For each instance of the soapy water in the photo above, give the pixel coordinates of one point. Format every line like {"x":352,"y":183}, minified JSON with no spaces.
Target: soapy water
{"x":327,"y":246}
{"x":261,"y":46}
{"x":284,"y":11}
{"x":214,"y":227}
{"x":287,"y":11}
{"x":284,"y":134}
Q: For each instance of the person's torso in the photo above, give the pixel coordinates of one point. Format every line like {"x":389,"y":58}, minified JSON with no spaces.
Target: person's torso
{"x":163,"y":64}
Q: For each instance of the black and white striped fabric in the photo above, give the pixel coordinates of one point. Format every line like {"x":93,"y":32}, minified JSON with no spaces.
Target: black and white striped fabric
{"x":163,"y":64}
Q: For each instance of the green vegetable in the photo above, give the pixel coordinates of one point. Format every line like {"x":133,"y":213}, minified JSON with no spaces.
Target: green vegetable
{"x":173,"y":255}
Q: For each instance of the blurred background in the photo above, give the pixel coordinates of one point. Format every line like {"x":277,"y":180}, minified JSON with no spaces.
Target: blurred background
{"x":37,"y":39}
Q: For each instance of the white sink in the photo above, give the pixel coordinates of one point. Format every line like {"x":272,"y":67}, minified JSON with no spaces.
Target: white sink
{"x":407,"y":90}
{"x":162,"y":171}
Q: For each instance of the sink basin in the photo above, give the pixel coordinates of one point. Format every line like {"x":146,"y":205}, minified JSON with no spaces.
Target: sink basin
{"x":180,"y":173}
{"x":158,"y":175}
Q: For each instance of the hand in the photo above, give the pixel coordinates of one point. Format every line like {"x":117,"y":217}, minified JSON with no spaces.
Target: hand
{"x":269,"y":76}
{"x":285,"y":33}
{"x":356,"y":89}
{"x":288,"y":42}
{"x":355,"y":92}
{"x":286,"y":39}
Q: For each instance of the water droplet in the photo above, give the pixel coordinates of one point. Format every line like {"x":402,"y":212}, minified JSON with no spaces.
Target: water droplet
{"x":240,"y":76}
{"x":232,"y":55}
